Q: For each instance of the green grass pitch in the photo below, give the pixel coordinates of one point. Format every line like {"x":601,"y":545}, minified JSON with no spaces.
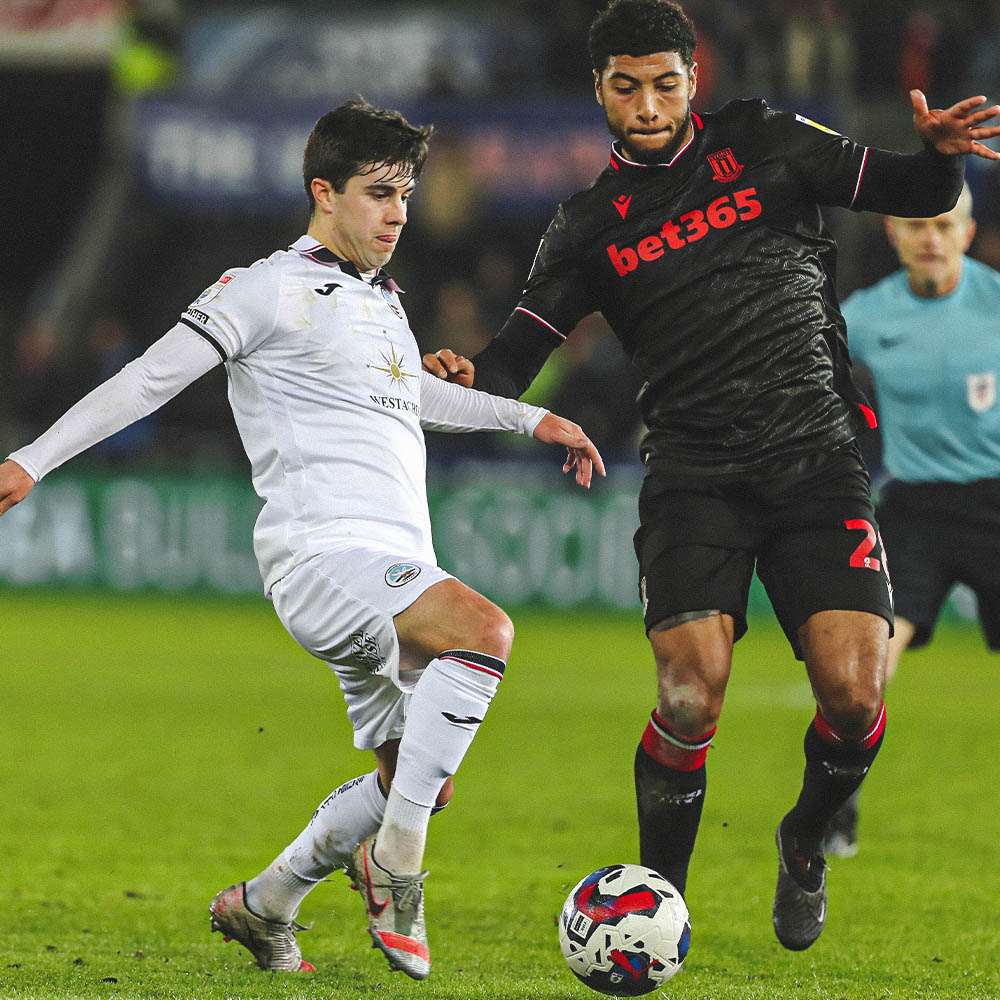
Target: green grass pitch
{"x":155,"y":749}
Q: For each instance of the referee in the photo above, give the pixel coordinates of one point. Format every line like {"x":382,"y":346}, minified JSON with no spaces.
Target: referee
{"x":703,"y":244}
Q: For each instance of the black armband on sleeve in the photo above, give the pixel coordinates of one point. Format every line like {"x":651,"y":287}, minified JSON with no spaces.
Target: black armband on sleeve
{"x":511,"y":360}
{"x":910,"y":185}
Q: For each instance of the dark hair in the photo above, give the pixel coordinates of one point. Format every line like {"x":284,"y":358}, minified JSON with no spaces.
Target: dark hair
{"x":640,"y":28}
{"x":358,"y":135}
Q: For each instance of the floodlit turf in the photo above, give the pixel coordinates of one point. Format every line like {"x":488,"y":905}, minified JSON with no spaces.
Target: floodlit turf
{"x":156,"y":749}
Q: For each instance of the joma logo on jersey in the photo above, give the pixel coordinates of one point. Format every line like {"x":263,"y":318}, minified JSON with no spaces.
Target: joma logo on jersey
{"x":724,"y":165}
{"x":721,"y":213}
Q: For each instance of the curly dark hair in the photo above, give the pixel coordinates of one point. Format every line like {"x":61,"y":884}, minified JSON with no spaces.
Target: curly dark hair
{"x":357,"y":135}
{"x":639,"y":28}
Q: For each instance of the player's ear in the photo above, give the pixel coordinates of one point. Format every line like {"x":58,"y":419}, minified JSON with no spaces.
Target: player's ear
{"x":597,"y":88}
{"x":693,"y":81}
{"x":322,"y":192}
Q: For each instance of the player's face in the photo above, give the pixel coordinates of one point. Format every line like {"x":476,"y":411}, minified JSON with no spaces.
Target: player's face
{"x":647,"y":101}
{"x":931,"y":249}
{"x":362,"y":223}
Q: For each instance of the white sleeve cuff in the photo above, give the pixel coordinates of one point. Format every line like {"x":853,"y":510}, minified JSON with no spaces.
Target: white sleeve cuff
{"x":445,"y":406}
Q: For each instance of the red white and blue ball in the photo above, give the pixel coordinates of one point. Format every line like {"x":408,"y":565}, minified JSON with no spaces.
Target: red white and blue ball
{"x":624,"y":930}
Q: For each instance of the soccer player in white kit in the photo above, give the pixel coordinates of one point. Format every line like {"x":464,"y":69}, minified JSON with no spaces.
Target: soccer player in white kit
{"x":328,"y":396}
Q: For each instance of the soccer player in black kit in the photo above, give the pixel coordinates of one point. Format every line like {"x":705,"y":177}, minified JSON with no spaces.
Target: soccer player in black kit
{"x":703,"y":245}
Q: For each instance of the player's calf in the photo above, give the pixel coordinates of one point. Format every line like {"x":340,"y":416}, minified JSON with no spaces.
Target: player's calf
{"x":836,"y":764}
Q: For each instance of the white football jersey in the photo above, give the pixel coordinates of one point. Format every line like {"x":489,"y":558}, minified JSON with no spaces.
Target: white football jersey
{"x":324,"y":383}
{"x":329,"y":399}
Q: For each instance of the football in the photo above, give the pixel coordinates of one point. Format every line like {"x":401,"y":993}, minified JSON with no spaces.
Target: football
{"x":624,"y":930}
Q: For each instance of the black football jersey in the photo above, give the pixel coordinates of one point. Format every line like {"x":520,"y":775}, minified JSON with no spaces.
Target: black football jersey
{"x":717,"y":274}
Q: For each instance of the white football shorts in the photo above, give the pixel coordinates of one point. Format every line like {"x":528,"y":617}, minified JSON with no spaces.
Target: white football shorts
{"x":339,"y":606}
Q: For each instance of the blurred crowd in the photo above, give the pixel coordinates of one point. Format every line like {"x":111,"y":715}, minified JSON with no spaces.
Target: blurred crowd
{"x":70,"y":315}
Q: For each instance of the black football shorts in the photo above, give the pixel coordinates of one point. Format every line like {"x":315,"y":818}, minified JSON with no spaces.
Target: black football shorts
{"x":807,"y":525}
{"x":937,"y":535}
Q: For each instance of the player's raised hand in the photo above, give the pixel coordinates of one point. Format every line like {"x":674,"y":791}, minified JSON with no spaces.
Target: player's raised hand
{"x":956,"y":130}
{"x":15,"y":485}
{"x":450,"y":366}
{"x":580,"y":451}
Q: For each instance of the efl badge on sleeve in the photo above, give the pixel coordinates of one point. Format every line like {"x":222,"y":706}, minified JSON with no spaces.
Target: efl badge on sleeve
{"x":981,"y":391}
{"x":724,"y":165}
{"x":213,"y":290}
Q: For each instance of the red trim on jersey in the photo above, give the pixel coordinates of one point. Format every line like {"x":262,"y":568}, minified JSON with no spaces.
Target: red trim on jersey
{"x":322,"y":254}
{"x":389,"y":283}
{"x":528,"y":312}
{"x":697,"y":120}
{"x":644,"y":166}
{"x":861,"y":173}
{"x":869,"y":415}
{"x":313,"y":254}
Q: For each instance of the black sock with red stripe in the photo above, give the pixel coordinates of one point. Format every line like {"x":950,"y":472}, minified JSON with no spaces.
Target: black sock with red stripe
{"x":670,"y":783}
{"x":835,"y":767}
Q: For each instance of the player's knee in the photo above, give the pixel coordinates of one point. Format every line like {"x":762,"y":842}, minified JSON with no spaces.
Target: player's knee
{"x":852,"y":710}
{"x":691,"y":709}
{"x":490,"y":631}
{"x":502,"y":634}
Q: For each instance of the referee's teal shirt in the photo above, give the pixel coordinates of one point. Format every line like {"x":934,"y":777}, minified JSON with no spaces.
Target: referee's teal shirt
{"x":936,"y":366}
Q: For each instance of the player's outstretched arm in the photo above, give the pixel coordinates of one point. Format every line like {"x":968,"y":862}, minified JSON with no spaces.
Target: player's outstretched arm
{"x":957,"y":130}
{"x":142,"y":386}
{"x":15,"y":485}
{"x":580,"y":451}
{"x":450,"y":366}
{"x":456,"y":409}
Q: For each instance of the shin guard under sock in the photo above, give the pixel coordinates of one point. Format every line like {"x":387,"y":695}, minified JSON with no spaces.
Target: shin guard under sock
{"x":670,"y":783}
{"x":835,"y":767}
{"x":446,"y":709}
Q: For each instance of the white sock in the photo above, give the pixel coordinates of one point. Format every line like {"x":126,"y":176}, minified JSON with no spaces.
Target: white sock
{"x":447,"y":705}
{"x":348,"y":815}
{"x":401,"y":839}
{"x":277,"y":892}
